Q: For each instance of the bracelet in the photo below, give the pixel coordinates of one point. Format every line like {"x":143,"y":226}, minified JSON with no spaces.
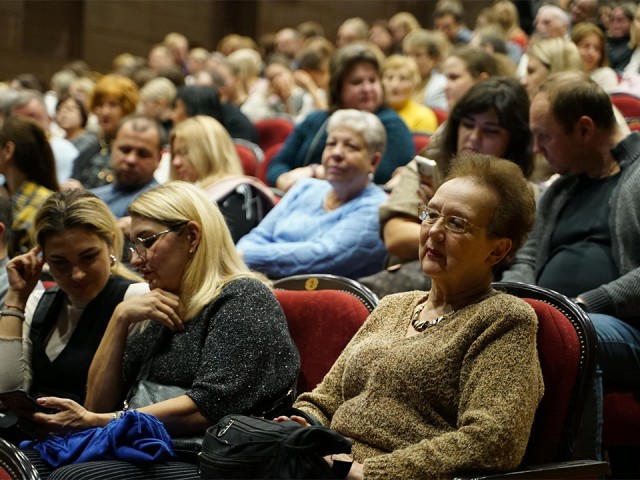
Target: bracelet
{"x":11,"y":313}
{"x":6,"y":305}
{"x":117,"y":415}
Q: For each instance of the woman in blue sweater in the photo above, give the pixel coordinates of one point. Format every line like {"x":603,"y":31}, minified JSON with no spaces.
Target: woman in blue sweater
{"x":355,"y":84}
{"x":327,"y":226}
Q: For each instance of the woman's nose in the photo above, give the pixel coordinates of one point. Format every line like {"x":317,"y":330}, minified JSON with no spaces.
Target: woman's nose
{"x":77,"y":274}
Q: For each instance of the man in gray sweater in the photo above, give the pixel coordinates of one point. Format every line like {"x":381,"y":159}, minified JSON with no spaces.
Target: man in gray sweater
{"x":585,"y":240}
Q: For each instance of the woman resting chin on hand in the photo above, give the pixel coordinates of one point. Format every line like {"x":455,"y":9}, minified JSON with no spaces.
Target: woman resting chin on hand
{"x":208,"y":325}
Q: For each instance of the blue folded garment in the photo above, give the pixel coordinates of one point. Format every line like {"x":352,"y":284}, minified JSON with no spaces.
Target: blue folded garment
{"x":135,"y":437}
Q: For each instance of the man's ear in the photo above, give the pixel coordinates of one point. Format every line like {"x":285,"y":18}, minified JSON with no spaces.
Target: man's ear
{"x":585,"y":127}
{"x":501,"y":249}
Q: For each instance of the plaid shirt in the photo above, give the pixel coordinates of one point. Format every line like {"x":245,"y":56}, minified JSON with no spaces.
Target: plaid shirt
{"x":26,"y":202}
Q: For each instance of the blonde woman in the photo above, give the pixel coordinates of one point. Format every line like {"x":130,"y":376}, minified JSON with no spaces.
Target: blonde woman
{"x":400,"y":79}
{"x":547,"y":56}
{"x":212,"y":328}
{"x":202,"y":152}
{"x":48,"y":338}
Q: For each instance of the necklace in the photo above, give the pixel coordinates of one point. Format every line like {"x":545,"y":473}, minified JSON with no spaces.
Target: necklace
{"x":422,"y":325}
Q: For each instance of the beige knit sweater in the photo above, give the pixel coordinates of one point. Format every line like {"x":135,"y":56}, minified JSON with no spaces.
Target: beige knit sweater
{"x":458,"y":398}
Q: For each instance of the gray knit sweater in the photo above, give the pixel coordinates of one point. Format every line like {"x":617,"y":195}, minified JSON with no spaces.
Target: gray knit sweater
{"x":621,"y":297}
{"x":459,"y":397}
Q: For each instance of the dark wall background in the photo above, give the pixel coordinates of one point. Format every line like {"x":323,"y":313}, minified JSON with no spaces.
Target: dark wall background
{"x":40,"y":36}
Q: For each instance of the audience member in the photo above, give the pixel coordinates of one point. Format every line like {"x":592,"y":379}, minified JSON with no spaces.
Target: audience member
{"x":400,"y":78}
{"x":492,"y":119}
{"x":179,"y":46}
{"x":30,"y":103}
{"x":587,"y":220}
{"x":592,"y":46}
{"x":26,"y":81}
{"x":444,"y":383}
{"x":288,"y":43}
{"x":29,"y":169}
{"x":313,"y":74}
{"x":247,"y":66}
{"x":208,"y":326}
{"x":551,"y":22}
{"x":310,"y":29}
{"x":48,"y":338}
{"x":135,"y":156}
{"x":156,"y":101}
{"x":202,"y":152}
{"x":584,"y":11}
{"x":448,"y":18}
{"x":352,"y":30}
{"x":160,"y":58}
{"x":114,"y":97}
{"x":619,"y":35}
{"x":402,"y":24}
{"x":284,"y":98}
{"x":327,"y":226}
{"x":547,"y":56}
{"x":423,"y":46}
{"x":509,"y":19}
{"x":380,"y":36}
{"x":72,"y":118}
{"x":355,"y":83}
{"x":192,"y":100}
{"x":464,"y":67}
{"x":6,"y":220}
{"x":633,"y":67}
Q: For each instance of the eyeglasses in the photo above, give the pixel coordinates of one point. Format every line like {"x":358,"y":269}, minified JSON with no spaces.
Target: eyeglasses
{"x":451,"y":222}
{"x":141,"y":245}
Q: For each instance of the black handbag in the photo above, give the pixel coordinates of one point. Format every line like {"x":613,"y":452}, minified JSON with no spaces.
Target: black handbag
{"x":245,"y":447}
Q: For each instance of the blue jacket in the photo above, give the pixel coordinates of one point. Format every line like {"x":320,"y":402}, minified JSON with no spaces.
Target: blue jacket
{"x":307,"y":135}
{"x":299,"y":236}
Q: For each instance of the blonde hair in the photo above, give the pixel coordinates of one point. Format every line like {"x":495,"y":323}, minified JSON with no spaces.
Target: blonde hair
{"x":70,"y":209}
{"x":159,"y":88}
{"x":557,"y":54}
{"x":215,"y":262}
{"x":211,"y":150}
{"x":397,"y":62}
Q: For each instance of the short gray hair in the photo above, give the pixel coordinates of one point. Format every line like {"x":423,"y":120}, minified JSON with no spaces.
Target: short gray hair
{"x":364,"y":123}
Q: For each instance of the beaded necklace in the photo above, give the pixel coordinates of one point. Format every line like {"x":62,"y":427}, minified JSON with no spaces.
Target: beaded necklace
{"x":422,"y":325}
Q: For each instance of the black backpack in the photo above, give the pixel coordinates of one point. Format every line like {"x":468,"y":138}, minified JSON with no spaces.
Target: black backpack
{"x":254,"y":448}
{"x":243,"y":201}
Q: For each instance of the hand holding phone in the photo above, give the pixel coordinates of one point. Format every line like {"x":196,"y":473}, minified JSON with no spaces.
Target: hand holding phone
{"x":20,"y":401}
{"x":428,"y":171}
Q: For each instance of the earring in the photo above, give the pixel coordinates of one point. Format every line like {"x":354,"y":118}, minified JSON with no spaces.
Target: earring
{"x":113,"y":259}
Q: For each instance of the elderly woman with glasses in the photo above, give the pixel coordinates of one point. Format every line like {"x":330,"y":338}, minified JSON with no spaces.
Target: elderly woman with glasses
{"x":445,"y":382}
{"x":208,"y":326}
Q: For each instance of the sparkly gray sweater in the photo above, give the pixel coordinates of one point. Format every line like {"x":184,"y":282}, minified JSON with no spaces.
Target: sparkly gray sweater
{"x":235,"y":356}
{"x":459,"y":397}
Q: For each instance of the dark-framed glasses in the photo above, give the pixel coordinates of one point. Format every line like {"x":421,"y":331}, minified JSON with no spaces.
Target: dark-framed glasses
{"x":142,"y":245}
{"x":451,"y":222}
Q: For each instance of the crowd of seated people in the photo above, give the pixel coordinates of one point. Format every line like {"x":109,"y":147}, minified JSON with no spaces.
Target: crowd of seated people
{"x":143,"y":146}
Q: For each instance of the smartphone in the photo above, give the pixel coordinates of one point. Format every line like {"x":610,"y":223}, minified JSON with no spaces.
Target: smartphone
{"x":427,"y":168}
{"x":19,"y":400}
